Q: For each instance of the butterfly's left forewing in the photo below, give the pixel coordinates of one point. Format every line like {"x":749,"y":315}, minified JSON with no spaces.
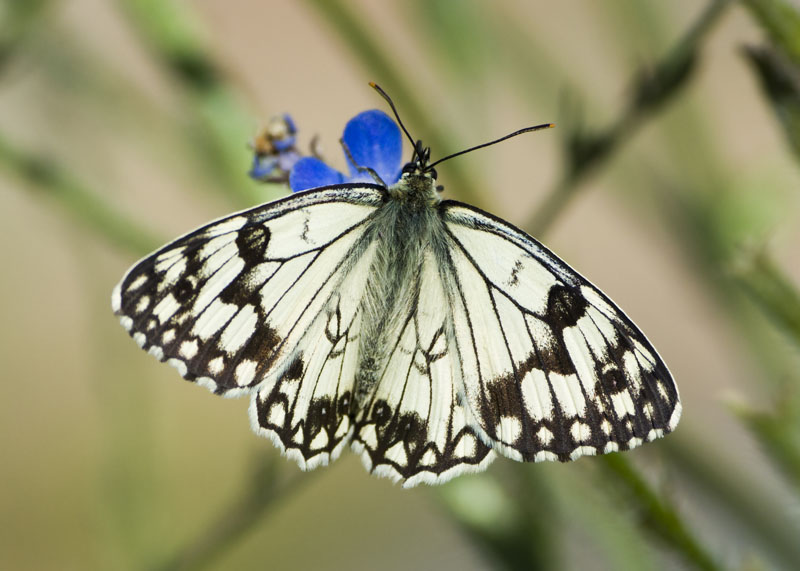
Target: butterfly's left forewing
{"x":552,"y":369}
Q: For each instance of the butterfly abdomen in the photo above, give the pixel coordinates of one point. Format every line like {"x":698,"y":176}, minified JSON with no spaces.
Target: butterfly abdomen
{"x":402,"y":231}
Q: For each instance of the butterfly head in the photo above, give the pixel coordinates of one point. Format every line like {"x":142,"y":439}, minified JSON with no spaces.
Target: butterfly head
{"x":418,"y":180}
{"x":420,"y":162}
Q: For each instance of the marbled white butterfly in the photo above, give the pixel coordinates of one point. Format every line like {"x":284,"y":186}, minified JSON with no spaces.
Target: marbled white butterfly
{"x":427,"y":334}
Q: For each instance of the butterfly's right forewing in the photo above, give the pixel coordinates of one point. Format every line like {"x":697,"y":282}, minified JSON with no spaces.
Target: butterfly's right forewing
{"x":229,"y":304}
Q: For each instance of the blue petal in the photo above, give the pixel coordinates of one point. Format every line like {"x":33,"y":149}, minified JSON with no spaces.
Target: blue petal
{"x":374,"y":141}
{"x":310,"y":172}
{"x":290,"y":139}
{"x":263,"y":167}
{"x":290,"y":124}
{"x":274,"y":167}
{"x":282,"y":145}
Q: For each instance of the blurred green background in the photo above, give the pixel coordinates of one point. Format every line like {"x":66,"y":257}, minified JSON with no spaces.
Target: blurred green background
{"x":671,"y":182}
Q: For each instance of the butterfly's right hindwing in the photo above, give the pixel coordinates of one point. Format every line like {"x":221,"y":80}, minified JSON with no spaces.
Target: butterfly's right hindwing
{"x":229,"y":303}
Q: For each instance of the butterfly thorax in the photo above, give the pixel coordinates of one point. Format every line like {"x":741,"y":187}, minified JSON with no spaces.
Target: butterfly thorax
{"x":416,"y":188}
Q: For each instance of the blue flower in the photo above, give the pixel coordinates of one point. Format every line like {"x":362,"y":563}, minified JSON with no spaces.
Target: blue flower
{"x":373,"y":141}
{"x":274,"y":152}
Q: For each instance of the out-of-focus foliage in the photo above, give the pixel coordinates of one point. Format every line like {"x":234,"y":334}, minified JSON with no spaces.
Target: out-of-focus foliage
{"x":780,"y":77}
{"x":100,"y":474}
{"x":780,"y":20}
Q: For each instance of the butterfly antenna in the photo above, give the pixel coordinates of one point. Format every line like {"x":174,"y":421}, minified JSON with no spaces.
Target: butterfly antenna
{"x":514,"y":134}
{"x":388,"y":99}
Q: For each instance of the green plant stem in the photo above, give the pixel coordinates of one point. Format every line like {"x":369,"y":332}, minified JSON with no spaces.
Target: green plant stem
{"x":652,"y":90}
{"x":658,"y":516}
{"x":781,"y":20}
{"x":780,"y":81}
{"x":55,"y":182}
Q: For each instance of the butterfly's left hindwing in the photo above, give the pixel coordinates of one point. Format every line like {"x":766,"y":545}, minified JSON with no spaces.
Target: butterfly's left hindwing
{"x":229,"y":304}
{"x":552,"y":369}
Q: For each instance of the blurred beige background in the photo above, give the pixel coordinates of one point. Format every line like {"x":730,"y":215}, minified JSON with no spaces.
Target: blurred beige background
{"x":97,"y":437}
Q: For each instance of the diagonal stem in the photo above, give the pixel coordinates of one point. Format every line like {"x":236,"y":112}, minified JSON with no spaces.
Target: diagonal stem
{"x":585,"y":153}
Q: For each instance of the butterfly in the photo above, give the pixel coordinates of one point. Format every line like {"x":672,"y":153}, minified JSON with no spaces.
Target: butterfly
{"x":427,"y":334}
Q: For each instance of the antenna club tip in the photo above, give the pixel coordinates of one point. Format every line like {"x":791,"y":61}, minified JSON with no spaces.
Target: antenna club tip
{"x":551,"y":125}
{"x":373,"y":85}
